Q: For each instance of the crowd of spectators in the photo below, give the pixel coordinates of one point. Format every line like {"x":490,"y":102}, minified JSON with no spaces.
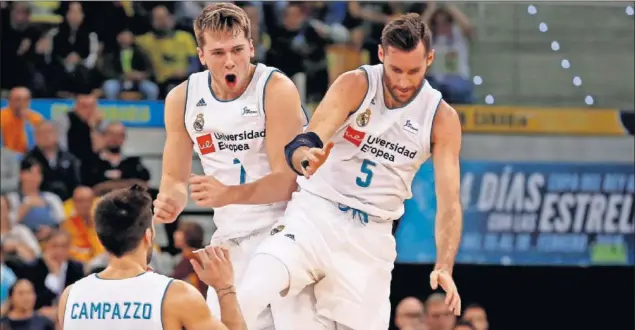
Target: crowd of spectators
{"x":47,"y":232}
{"x":141,"y":49}
{"x":434,"y":314}
{"x":54,"y":171}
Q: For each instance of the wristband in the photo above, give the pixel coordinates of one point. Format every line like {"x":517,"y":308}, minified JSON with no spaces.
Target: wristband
{"x":309,"y":139}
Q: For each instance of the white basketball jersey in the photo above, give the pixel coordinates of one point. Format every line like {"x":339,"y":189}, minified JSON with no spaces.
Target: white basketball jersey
{"x":129,"y":304}
{"x":377,"y":151}
{"x":229,"y":137}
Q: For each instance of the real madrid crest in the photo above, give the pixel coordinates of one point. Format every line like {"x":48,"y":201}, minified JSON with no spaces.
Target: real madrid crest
{"x":363,"y":118}
{"x":199,"y":122}
{"x":276,"y":230}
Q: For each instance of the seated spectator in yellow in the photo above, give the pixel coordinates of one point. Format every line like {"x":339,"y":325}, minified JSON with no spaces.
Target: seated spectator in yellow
{"x":85,"y":244}
{"x":172,"y":52}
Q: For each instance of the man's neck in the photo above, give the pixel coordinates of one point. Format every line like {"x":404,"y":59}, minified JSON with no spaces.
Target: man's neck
{"x":49,"y":152}
{"x":125,"y":267}
{"x":20,"y":314}
{"x":27,"y":191}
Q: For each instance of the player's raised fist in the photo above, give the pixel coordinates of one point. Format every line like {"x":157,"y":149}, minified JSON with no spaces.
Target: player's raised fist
{"x":167,"y":207}
{"x":310,"y":159}
{"x":206,"y":191}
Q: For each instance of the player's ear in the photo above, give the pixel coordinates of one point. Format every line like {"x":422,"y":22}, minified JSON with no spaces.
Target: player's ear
{"x":149,"y":236}
{"x":430,"y":57}
{"x":380,"y":53}
{"x":252,"y":50}
{"x":199,"y":51}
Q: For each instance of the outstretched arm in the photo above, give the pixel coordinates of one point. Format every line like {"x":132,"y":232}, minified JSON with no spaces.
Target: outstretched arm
{"x":446,"y":146}
{"x":344,"y":97}
{"x":184,"y":307}
{"x":285,"y":119}
{"x":177,"y":158}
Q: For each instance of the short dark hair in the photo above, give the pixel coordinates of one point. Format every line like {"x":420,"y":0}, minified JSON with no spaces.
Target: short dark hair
{"x":405,"y":32}
{"x":27,"y":163}
{"x":122,"y":218}
{"x":474,"y":305}
{"x":463,"y":323}
{"x":193,"y":234}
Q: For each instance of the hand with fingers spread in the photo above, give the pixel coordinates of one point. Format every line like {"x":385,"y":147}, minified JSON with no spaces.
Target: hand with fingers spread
{"x":308,"y":160}
{"x":206,"y":191}
{"x":167,"y":207}
{"x":214,"y":267}
{"x":452,"y":298}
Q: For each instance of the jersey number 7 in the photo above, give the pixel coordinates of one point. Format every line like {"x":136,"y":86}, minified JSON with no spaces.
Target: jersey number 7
{"x":367,"y":168}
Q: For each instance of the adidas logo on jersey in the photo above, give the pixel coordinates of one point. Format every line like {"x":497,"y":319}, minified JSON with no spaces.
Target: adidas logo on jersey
{"x":201,"y":103}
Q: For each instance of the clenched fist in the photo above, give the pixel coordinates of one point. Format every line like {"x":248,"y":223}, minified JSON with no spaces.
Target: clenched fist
{"x":168,"y":206}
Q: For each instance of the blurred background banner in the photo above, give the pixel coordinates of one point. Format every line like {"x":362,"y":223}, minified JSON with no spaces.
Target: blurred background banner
{"x":529,"y":214}
{"x":147,"y":114}
{"x":551,"y":121}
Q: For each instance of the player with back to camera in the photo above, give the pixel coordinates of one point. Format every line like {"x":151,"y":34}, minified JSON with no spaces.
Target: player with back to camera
{"x":126,"y":296}
{"x":381,"y":123}
{"x":237,"y":116}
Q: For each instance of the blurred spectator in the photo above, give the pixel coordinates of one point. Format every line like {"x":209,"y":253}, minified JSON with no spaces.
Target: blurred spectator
{"x":52,"y":272}
{"x":74,"y":53}
{"x":409,"y":313}
{"x":85,"y":244}
{"x":172,"y":52}
{"x":188,"y":237}
{"x":437,"y":314}
{"x":18,"y":52}
{"x":38,"y":210}
{"x":450,"y":71}
{"x":476,"y":315}
{"x":366,"y":20}
{"x":16,"y":239}
{"x":60,"y":169}
{"x":258,"y":36}
{"x":7,"y":279}
{"x":128,"y":68}
{"x":79,"y":131}
{"x":464,"y":325}
{"x":106,"y":18}
{"x":110,"y":169}
{"x":185,"y":12}
{"x":298,"y":47}
{"x":21,"y":314}
{"x":18,"y":121}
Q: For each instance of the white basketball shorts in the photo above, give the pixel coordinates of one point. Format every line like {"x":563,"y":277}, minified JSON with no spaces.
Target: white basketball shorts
{"x":351,"y":260}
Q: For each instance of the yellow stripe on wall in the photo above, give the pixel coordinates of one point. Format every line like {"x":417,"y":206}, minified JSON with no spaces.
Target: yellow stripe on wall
{"x":526,"y":120}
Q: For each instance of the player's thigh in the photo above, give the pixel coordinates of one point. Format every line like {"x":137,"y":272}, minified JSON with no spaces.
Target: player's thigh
{"x":296,"y":242}
{"x":298,"y":312}
{"x":356,"y":289}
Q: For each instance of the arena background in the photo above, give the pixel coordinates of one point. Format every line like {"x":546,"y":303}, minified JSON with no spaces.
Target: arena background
{"x":546,"y":96}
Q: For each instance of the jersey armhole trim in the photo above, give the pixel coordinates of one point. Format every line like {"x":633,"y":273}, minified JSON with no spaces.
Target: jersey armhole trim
{"x":187,"y":89}
{"x":163,"y":300}
{"x":264,"y":89}
{"x":434,"y":116}
{"x":367,"y":91}
{"x":70,"y":288}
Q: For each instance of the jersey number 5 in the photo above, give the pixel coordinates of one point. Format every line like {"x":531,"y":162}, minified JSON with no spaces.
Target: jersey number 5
{"x":367,"y":168}
{"x":243,"y":174}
